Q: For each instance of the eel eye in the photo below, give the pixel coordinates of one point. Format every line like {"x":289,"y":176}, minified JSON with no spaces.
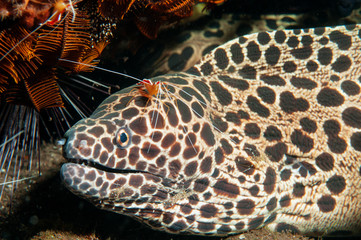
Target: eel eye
{"x":122,"y":138}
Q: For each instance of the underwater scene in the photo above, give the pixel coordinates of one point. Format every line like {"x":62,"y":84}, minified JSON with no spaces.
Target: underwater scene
{"x":180,"y":119}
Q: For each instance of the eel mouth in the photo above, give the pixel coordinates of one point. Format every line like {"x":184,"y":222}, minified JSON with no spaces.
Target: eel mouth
{"x":92,"y":180}
{"x":98,"y":166}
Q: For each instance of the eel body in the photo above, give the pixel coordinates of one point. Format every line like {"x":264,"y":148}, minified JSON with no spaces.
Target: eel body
{"x":264,"y":132}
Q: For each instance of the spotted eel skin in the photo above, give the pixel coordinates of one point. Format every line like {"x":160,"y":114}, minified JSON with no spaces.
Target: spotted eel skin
{"x":264,"y":132}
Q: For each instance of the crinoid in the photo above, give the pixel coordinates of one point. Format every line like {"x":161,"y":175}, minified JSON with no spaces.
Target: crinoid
{"x":149,"y":15}
{"x":29,"y":67}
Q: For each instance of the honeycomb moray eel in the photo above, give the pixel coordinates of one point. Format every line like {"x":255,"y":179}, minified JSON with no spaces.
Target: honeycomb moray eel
{"x":264,"y":132}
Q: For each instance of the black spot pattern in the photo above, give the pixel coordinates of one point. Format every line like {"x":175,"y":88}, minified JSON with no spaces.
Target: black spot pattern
{"x":342,"y":64}
{"x":150,"y":151}
{"x":263,"y":38}
{"x":139,"y":126}
{"x":206,"y":165}
{"x":302,"y":53}
{"x":224,"y":229}
{"x":207,"y":135}
{"x":200,"y":185}
{"x":197,"y":109}
{"x":177,"y":80}
{"x":186,"y":114}
{"x":280,"y":36}
{"x":307,"y":40}
{"x":331,"y":127}
{"x":255,"y":106}
{"x":210,"y":34}
{"x":227,"y":148}
{"x":284,"y":227}
{"x":323,"y":40}
{"x":302,"y":141}
{"x":270,"y":180}
{"x":251,"y":150}
{"x":275,"y":153}
{"x":194,"y":71}
{"x":224,"y":97}
{"x":308,"y":125}
{"x":247,"y":72}
{"x":352,"y":117}
{"x":324,"y":56}
{"x":356,"y":141}
{"x":289,"y":66}
{"x":129,"y":113}
{"x":266,"y":94}
{"x":285,"y":174}
{"x":245,"y":207}
{"x":273,"y":80}
{"x":342,"y":40}
{"x":244,"y":166}
{"x":219,"y":123}
{"x":309,"y":167}
{"x":326,"y":203}
{"x":334,"y":78}
{"x":243,"y":114}
{"x":303,"y":83}
{"x":285,"y":201}
{"x":172,"y":115}
{"x":336,"y":184}
{"x":221,"y":58}
{"x":206,"y":68}
{"x":329,"y":97}
{"x":237,"y":55}
{"x":325,"y":161}
{"x":208,"y":211}
{"x":189,"y":152}
{"x":206,"y":227}
{"x":252,"y":130}
{"x":272,"y":55}
{"x":223,"y":188}
{"x":156,"y":122}
{"x":350,"y":88}
{"x":271,"y":218}
{"x":178,"y":226}
{"x":290,"y":104}
{"x":298,"y":190}
{"x":233,"y":117}
{"x":107,"y":143}
{"x":203,"y":88}
{"x":256,"y":222}
{"x":188,"y":93}
{"x":235,"y":83}
{"x":254,"y":190}
{"x":253,"y":52}
{"x":296,"y":31}
{"x":96,"y":131}
{"x":293,"y":42}
{"x":272,"y":133}
{"x":272,"y":204}
{"x":311,"y":66}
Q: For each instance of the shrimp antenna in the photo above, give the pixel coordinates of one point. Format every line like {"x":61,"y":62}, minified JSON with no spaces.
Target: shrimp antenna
{"x":103,"y":69}
{"x":22,"y":40}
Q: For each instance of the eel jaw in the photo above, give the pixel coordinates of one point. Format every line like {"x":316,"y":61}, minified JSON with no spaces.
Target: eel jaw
{"x":93,"y":164}
{"x":98,"y":183}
